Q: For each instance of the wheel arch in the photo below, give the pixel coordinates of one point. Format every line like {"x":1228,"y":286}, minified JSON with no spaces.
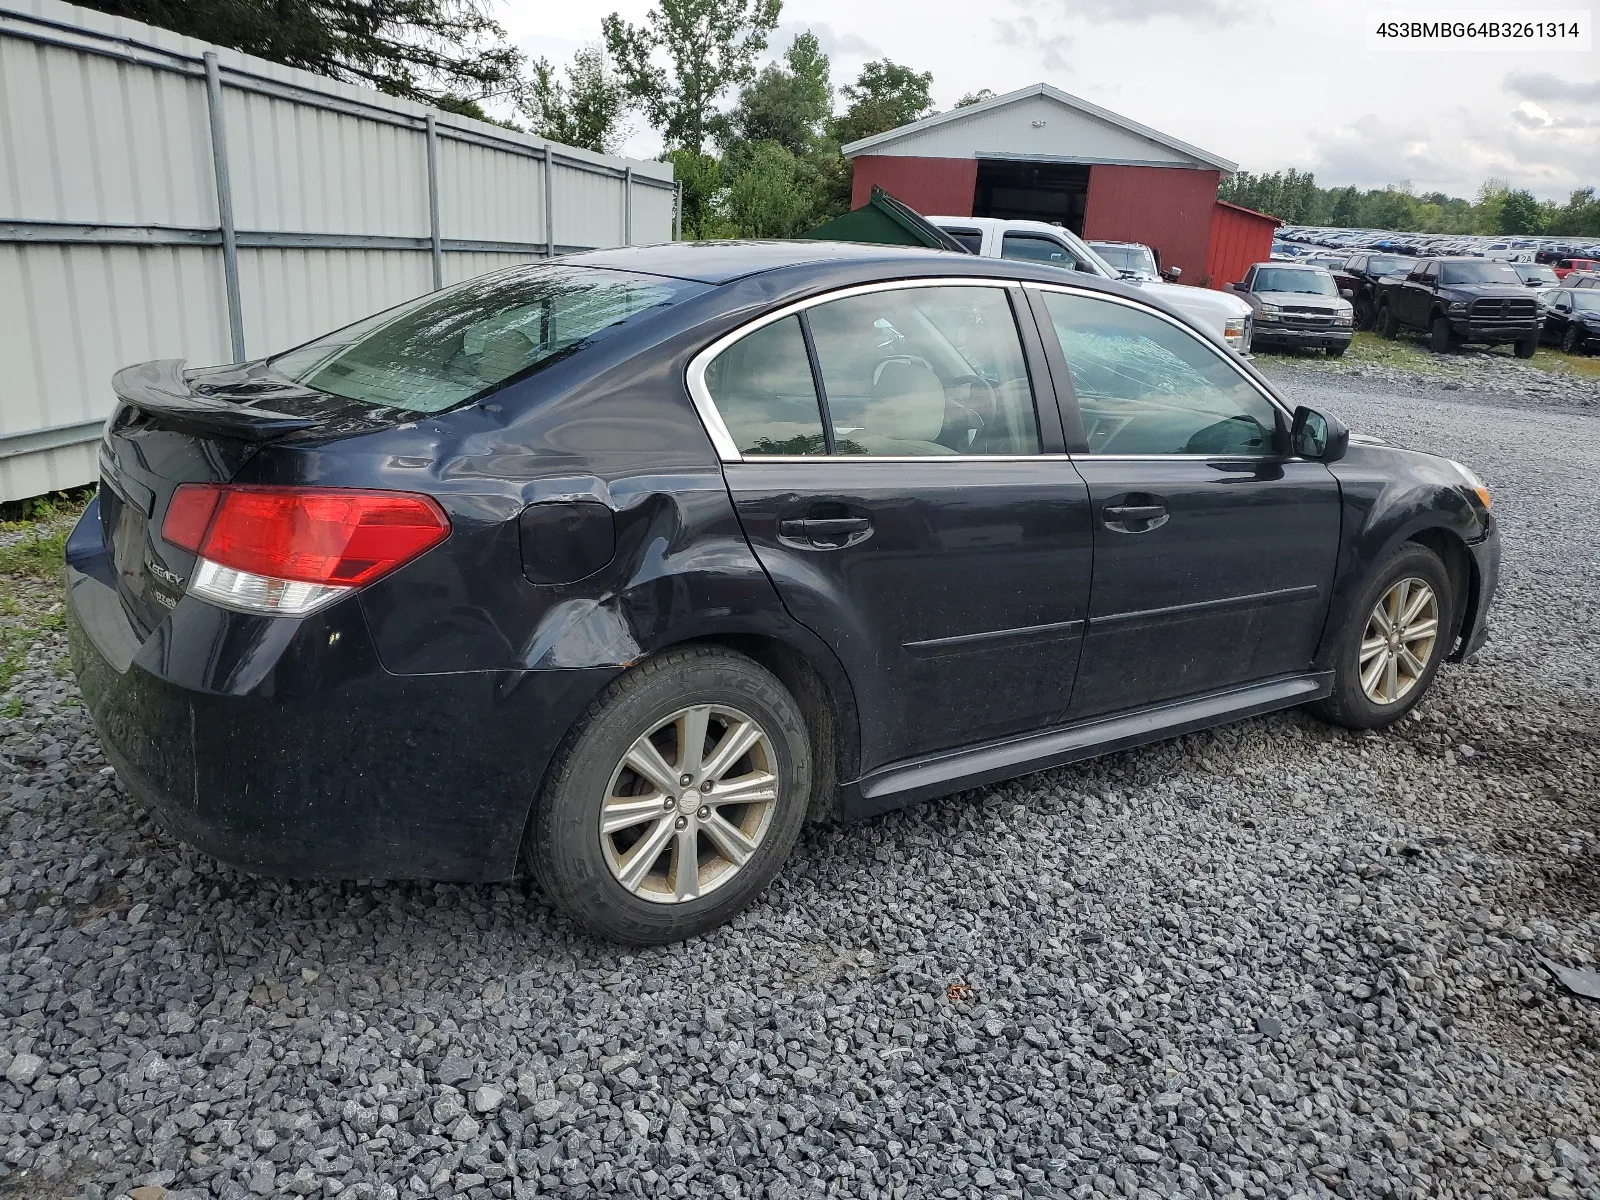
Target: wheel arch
{"x":1459,"y":567}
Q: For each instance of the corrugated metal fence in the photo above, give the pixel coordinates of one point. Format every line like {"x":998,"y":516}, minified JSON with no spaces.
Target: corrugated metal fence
{"x":160,"y":197}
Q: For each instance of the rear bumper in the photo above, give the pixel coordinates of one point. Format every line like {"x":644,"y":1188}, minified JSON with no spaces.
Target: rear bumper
{"x":283,"y":746}
{"x":1485,"y":579}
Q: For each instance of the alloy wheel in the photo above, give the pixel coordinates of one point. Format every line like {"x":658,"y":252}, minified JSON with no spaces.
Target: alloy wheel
{"x":689,"y":804}
{"x":1399,"y":641}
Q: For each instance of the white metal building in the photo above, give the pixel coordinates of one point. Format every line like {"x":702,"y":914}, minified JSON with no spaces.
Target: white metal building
{"x":160,"y":197}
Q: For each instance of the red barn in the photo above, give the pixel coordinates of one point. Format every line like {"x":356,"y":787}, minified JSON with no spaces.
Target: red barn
{"x":1239,"y":237}
{"x":1039,"y":154}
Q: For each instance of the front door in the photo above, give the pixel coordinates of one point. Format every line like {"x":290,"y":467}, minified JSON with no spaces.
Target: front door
{"x":1214,"y":553}
{"x":897,"y":486}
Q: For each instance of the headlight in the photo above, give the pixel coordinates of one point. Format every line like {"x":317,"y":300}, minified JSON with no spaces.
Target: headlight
{"x":1233,"y":328}
{"x":1474,"y":483}
{"x":1458,"y":306}
{"x":1341,"y":318}
{"x":1270,"y":308}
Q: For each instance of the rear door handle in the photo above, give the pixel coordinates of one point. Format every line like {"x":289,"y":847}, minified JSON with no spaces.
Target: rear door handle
{"x":830,"y":533}
{"x":1136,"y":512}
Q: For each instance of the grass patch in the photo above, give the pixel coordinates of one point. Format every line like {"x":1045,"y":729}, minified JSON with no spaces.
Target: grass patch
{"x":1368,"y":348}
{"x":22,"y":513}
{"x":1585,"y":366}
{"x":38,"y":554}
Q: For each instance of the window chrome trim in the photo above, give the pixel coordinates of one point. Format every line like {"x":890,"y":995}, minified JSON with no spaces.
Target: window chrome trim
{"x":722,"y":439}
{"x":1219,"y":351}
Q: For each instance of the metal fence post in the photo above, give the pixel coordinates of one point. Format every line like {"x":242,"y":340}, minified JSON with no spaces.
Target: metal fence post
{"x":230,"y":240}
{"x":677,"y":210}
{"x":549,"y":202}
{"x":433,"y":203}
{"x":627,"y":206}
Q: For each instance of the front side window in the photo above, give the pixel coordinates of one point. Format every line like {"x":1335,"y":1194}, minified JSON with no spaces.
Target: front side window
{"x":925,"y":371}
{"x":445,"y":348}
{"x":762,"y":387}
{"x":1146,"y":386}
{"x":909,"y":372}
{"x":1036,"y":247}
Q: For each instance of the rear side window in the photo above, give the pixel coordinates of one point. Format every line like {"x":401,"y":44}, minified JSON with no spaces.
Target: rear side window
{"x":1145,"y":386}
{"x":445,"y":348}
{"x":907,"y":372}
{"x":972,"y":239}
{"x":762,"y":387}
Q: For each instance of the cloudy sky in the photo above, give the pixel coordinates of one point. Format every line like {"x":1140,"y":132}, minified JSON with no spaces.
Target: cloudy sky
{"x":1268,"y":83}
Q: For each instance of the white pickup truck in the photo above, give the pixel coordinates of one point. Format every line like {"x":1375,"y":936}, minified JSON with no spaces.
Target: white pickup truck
{"x":1228,"y":317}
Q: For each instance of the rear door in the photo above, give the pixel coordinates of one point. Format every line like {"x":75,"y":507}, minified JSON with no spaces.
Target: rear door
{"x":1213,"y":554}
{"x":884,"y":451}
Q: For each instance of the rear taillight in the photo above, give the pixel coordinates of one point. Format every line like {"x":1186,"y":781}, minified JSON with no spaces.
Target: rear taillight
{"x":293,"y":550}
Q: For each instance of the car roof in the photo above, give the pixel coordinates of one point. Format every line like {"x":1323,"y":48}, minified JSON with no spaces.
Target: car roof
{"x":723,"y":262}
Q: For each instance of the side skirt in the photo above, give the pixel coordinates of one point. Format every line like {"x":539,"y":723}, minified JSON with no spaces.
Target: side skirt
{"x":905,"y":783}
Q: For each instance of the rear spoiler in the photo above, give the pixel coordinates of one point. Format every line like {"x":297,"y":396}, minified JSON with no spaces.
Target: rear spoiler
{"x":160,"y":389}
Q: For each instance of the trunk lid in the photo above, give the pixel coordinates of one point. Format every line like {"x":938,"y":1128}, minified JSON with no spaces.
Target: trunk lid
{"x":173,"y":427}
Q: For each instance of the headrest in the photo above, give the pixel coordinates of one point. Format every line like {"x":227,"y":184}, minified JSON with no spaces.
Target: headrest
{"x":907,"y":401}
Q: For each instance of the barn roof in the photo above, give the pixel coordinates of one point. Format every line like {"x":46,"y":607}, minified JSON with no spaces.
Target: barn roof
{"x":882,"y":142}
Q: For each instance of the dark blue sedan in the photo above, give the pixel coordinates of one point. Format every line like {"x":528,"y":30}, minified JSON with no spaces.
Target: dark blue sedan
{"x":619,"y":568}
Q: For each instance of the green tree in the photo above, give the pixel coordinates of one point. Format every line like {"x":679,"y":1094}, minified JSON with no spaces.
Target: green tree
{"x":977,"y":97}
{"x":701,"y":176}
{"x":1521,"y":213}
{"x":584,"y":111}
{"x":787,"y":103}
{"x":424,"y":50}
{"x":708,"y":47}
{"x":884,"y":96}
{"x":1580,"y":215}
{"x":766,"y":192}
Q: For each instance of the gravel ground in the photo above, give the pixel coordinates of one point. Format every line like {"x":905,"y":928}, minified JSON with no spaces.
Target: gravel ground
{"x":1276,"y":960}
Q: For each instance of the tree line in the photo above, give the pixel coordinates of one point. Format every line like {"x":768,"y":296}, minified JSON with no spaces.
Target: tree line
{"x":1497,"y":209}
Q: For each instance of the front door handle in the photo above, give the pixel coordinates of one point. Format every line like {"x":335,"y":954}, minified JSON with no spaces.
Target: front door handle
{"x":826,"y":533}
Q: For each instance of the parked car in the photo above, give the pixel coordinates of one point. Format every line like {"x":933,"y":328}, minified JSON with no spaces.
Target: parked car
{"x":620,"y":566}
{"x":1565,"y":266}
{"x":1582,"y":279}
{"x":1296,"y":305}
{"x":1572,"y":320}
{"x":1134,"y":261}
{"x":1357,"y":280}
{"x":1227,"y":317}
{"x":1535,"y":275}
{"x":1459,"y":300}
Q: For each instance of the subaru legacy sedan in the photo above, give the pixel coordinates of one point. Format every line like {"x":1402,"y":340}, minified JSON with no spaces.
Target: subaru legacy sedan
{"x":616,"y":569}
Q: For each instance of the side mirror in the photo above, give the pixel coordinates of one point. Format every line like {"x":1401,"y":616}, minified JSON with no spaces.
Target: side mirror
{"x":1347,"y":293}
{"x":1317,"y":435}
{"x":1172,"y":274}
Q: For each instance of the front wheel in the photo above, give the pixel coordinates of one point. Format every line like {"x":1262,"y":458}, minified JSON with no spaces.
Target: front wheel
{"x":1394,"y":638}
{"x":1364,"y":315}
{"x":1440,"y":339}
{"x":1388,"y":323}
{"x":675,"y":800}
{"x":1526,"y":345}
{"x":1338,"y":351}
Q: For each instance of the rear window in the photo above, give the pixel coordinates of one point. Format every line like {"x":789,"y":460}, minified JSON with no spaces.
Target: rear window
{"x":452,"y":346}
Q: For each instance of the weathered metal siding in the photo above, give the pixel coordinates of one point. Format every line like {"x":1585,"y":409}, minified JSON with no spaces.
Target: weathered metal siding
{"x":1168,"y":208}
{"x":111,"y":248}
{"x":935,"y":187}
{"x":1240,"y":237}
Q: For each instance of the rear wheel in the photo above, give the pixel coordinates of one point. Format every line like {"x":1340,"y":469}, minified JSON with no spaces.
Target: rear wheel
{"x":1572,"y":341}
{"x":1440,"y":338}
{"x":1527,"y":344}
{"x":1388,"y":324}
{"x":675,"y":800}
{"x":1394,"y":638}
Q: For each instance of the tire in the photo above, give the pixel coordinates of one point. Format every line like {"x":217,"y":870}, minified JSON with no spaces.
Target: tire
{"x":1350,"y":705}
{"x":1526,"y":345}
{"x":1338,"y":351}
{"x":1571,"y":341}
{"x":1364,"y":314}
{"x":1388,"y":324}
{"x":1440,"y":339}
{"x":581,"y":868}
